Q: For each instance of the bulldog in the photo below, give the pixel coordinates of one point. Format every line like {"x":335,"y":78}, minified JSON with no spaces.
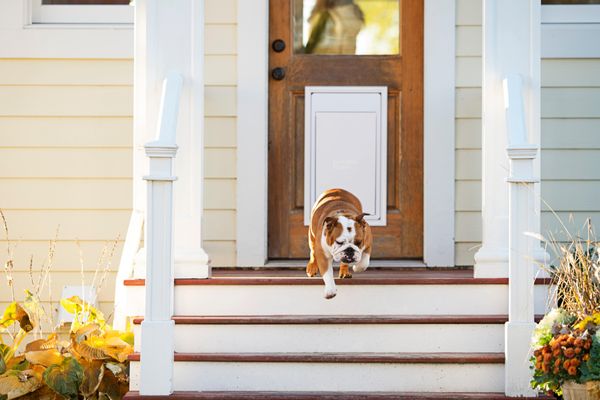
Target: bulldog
{"x":338,"y":232}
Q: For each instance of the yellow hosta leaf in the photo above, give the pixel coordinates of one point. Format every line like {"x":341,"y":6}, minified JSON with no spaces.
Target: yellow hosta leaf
{"x":127,"y":337}
{"x":15,"y":313}
{"x":43,"y":344}
{"x":44,"y":357}
{"x":85,"y":331}
{"x":119,"y":353}
{"x":90,"y":352}
{"x":73,"y":305}
{"x":18,"y":383}
{"x":84,"y":313}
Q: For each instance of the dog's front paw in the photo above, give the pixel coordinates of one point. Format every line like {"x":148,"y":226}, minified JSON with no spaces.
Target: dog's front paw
{"x":330,"y":292}
{"x":345,"y":271}
{"x":312,"y":269}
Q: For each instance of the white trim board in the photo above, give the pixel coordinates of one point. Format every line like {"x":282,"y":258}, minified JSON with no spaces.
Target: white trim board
{"x":252,"y":132}
{"x":20,"y":38}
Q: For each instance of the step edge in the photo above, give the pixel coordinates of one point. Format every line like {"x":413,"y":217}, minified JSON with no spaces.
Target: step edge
{"x":354,"y":358}
{"x":342,"y":282}
{"x":216,"y":395}
{"x":467,"y":319}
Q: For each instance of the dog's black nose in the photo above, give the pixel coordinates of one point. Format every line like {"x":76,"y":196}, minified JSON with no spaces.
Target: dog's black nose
{"x":349,"y":251}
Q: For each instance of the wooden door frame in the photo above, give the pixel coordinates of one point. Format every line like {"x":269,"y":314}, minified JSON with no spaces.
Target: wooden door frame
{"x":438,"y":133}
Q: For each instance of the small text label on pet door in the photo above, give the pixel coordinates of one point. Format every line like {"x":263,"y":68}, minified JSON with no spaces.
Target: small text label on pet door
{"x":345,"y":146}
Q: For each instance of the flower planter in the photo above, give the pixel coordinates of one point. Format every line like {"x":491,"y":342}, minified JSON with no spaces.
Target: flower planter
{"x":581,"y":391}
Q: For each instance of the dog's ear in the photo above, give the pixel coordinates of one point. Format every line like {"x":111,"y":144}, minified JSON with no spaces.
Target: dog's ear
{"x":330,"y":223}
{"x":360,"y":218}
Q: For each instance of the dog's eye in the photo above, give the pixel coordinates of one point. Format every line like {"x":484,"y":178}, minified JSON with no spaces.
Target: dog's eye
{"x":338,"y":242}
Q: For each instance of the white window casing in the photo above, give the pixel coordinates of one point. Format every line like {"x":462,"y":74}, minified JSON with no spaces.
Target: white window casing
{"x":20,"y":37}
{"x":80,"y":14}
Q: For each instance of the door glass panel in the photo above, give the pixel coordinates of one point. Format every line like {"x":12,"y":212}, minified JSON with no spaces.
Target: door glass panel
{"x":347,"y":26}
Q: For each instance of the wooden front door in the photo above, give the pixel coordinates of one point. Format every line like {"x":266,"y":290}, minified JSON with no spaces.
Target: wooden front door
{"x":312,"y":55}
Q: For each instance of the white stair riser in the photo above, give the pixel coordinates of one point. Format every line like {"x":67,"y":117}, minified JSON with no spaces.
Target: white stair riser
{"x":350,"y":300}
{"x":336,"y":338}
{"x":193,"y":376}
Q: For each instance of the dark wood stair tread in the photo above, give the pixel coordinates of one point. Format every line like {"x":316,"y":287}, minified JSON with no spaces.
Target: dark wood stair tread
{"x":379,"y":358}
{"x":378,"y":276}
{"x":263,"y":395}
{"x":335,"y":319}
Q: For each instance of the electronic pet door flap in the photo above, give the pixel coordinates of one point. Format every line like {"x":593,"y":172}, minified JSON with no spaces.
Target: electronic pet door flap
{"x":345,"y":146}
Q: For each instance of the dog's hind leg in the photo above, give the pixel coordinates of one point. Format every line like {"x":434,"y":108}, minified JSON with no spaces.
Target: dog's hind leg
{"x":312,"y":267}
{"x":345,"y":271}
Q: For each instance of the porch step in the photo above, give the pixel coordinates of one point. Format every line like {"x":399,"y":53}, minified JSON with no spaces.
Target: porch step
{"x":364,"y":372}
{"x":256,"y":395}
{"x":381,"y":292}
{"x":340,"y":333}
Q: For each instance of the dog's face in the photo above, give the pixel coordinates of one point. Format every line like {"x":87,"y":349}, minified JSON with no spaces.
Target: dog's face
{"x":344,"y":237}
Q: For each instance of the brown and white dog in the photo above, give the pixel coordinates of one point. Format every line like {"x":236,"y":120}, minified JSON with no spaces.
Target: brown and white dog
{"x":338,"y":232}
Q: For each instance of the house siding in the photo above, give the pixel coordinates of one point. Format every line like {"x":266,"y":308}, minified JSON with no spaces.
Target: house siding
{"x":570,"y":144}
{"x":65,"y":169}
{"x":219,"y":223}
{"x":468,"y":131}
{"x":570,"y":138}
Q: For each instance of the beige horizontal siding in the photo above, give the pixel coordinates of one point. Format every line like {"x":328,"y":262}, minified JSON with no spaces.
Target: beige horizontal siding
{"x":23,"y":280}
{"x":220,"y":132}
{"x":66,"y":257}
{"x":220,"y":39}
{"x":71,"y":101}
{"x":65,"y":162}
{"x":99,"y":132}
{"x":66,"y":72}
{"x":571,"y":73}
{"x":570,"y":133}
{"x":220,"y":70}
{"x":570,"y":102}
{"x":468,"y":134}
{"x":71,"y":224}
{"x":468,"y":12}
{"x":220,"y":12}
{"x":65,"y":166}
{"x":219,"y":223}
{"x":570,"y":145}
{"x":468,"y":131}
{"x":219,"y":194}
{"x":66,"y":194}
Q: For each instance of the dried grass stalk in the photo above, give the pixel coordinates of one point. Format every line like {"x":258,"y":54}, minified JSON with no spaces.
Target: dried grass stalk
{"x":576,"y":275}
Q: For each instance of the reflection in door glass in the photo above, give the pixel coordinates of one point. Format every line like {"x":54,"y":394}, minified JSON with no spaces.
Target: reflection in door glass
{"x":346,"y":26}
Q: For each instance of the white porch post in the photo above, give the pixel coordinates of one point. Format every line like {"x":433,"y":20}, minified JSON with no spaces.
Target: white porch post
{"x":511,"y":45}
{"x":169,"y":36}
{"x":520,"y":325}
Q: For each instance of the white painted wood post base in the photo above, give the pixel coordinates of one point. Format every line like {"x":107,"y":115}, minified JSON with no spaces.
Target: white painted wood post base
{"x":517,"y":373}
{"x":192,"y":264}
{"x":158,"y":346}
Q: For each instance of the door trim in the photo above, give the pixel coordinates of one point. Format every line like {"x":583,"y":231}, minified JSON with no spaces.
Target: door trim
{"x":252,"y":132}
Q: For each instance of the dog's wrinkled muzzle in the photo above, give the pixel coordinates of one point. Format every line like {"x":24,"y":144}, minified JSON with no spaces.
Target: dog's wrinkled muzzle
{"x":349,"y":254}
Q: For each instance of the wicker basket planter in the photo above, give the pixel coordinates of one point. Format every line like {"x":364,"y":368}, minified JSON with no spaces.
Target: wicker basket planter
{"x":581,"y":391}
